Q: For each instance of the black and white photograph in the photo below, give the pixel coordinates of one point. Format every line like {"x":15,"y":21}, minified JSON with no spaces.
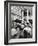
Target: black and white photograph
{"x":20,"y":22}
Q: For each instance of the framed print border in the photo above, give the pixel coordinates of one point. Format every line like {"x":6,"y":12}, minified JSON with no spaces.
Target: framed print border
{"x":6,"y":22}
